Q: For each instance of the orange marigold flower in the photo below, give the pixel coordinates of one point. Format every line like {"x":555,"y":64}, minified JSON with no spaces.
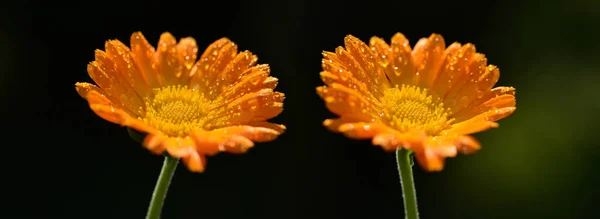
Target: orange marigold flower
{"x":427,"y":99}
{"x":189,"y":108}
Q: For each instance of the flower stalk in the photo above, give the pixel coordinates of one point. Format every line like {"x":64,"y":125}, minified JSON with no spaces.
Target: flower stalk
{"x":409,"y":195}
{"x":161,"y":188}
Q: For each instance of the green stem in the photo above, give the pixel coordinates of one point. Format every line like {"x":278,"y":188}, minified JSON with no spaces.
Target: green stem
{"x":162,"y":185}
{"x":409,"y":194}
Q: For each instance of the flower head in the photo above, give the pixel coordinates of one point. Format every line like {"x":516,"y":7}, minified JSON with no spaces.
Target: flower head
{"x":189,"y":107}
{"x":427,"y":99}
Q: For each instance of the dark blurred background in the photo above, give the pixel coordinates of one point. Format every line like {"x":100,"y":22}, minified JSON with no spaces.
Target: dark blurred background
{"x":62,"y":161}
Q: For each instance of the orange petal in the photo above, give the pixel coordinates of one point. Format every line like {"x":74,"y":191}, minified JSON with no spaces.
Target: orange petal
{"x":334,"y":124}
{"x":467,"y":144}
{"x":104,"y":108}
{"x":237,"y":144}
{"x":254,"y":107}
{"x":184,"y":148}
{"x":84,"y":88}
{"x":255,"y":134}
{"x":170,"y":68}
{"x":277,"y":127}
{"x":471,"y":126}
{"x":503,"y":101}
{"x":212,"y":62}
{"x":154,"y":142}
{"x":481,"y":85}
{"x":487,"y":80}
{"x":103,"y":72}
{"x":367,"y":61}
{"x":270,"y":82}
{"x":388,"y":141}
{"x":384,"y":52}
{"x":345,"y":101}
{"x":497,"y":114}
{"x":393,"y":140}
{"x":343,"y":64}
{"x":362,"y":130}
{"x":180,"y":147}
{"x":142,"y":54}
{"x":187,"y":54}
{"x":334,"y":71}
{"x":457,"y":69}
{"x":195,"y":162}
{"x":480,"y":122}
{"x":108,"y":83}
{"x":428,"y":55}
{"x":210,"y":143}
{"x":465,"y":91}
{"x":109,"y":113}
{"x":193,"y":149}
{"x":98,"y":97}
{"x":177,"y":147}
{"x":125,"y":68}
{"x":402,"y":67}
{"x":235,"y":71}
{"x":430,"y":160}
{"x":451,"y":68}
{"x":255,"y":80}
{"x":434,"y":151}
{"x":495,"y":92}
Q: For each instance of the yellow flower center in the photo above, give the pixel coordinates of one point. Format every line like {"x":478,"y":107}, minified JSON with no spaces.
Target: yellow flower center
{"x":176,"y":110}
{"x":411,"y":108}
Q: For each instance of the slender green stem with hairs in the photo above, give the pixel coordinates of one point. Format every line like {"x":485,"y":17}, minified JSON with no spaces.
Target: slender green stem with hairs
{"x":404,"y":161}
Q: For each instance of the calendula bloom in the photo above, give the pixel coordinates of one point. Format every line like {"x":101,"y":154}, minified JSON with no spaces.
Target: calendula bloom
{"x":427,"y":99}
{"x":189,"y":107}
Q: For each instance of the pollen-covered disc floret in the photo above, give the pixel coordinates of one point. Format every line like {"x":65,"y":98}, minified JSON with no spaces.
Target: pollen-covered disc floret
{"x":191,"y":106}
{"x":176,"y":110}
{"x":411,"y":108}
{"x":428,"y":99}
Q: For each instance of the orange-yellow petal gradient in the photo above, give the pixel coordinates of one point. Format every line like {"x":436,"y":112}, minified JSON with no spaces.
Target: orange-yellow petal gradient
{"x":428,"y":99}
{"x":190,"y":106}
